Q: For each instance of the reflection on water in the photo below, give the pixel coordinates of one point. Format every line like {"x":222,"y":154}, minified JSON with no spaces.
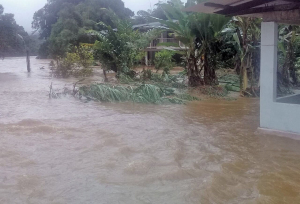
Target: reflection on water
{"x":66,"y":151}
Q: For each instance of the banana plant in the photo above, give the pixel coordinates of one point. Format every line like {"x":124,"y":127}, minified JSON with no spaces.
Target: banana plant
{"x":245,"y":33}
{"x":198,"y":32}
{"x":288,"y":36}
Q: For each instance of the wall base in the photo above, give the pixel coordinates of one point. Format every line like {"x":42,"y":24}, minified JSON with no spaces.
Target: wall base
{"x":278,"y":133}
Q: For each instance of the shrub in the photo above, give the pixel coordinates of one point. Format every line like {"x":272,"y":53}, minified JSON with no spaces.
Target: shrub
{"x":76,"y":63}
{"x":214,"y":91}
{"x":147,"y":74}
{"x":120,"y":47}
{"x":65,"y":66}
{"x":85,"y":54}
{"x":163,"y":61}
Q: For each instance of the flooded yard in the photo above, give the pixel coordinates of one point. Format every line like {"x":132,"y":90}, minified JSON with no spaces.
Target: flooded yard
{"x":67,"y":151}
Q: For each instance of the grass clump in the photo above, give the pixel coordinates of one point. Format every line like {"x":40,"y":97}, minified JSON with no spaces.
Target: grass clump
{"x":145,"y":93}
{"x":214,"y":91}
{"x":232,"y":82}
{"x":125,"y":79}
{"x":105,"y":93}
{"x":187,"y":97}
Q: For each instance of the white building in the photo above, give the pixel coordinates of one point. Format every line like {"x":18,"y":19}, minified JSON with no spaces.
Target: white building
{"x":164,"y":41}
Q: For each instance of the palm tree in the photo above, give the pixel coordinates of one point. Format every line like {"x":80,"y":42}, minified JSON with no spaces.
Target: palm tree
{"x":208,"y":28}
{"x":198,"y":32}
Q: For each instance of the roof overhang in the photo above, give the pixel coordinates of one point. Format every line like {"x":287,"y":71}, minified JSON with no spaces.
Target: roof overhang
{"x":282,"y":11}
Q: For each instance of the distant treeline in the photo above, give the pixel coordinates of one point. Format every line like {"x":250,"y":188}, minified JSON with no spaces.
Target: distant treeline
{"x":13,"y":37}
{"x":64,"y":23}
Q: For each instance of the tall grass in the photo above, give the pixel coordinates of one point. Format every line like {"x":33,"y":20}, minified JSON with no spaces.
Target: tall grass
{"x":146,"y":93}
{"x":109,"y":93}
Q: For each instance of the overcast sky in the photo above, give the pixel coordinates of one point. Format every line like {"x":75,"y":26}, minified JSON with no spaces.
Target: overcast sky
{"x":24,"y":9}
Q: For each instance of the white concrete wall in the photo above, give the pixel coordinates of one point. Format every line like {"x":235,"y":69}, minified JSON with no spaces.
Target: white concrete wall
{"x":281,"y":116}
{"x":274,"y":115}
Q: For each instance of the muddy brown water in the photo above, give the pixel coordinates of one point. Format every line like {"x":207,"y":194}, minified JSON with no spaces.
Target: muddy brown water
{"x":67,"y":151}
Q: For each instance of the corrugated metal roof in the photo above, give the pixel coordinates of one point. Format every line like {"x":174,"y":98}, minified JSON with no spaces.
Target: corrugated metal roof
{"x":201,"y":8}
{"x":150,"y":25}
{"x":204,"y":8}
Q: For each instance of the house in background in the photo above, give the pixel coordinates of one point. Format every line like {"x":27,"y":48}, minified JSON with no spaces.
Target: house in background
{"x":277,"y":115}
{"x":165,"y":41}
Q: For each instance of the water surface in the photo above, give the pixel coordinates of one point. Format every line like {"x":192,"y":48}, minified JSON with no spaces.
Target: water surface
{"x":67,"y":151}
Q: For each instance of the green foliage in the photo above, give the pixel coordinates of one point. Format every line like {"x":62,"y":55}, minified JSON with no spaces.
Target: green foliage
{"x":125,"y":79}
{"x":231,"y":87}
{"x":289,"y":52}
{"x":66,"y":65}
{"x":13,"y":38}
{"x":297,"y":65}
{"x":214,"y":91}
{"x":187,"y":97}
{"x":243,"y":33}
{"x":230,"y":79}
{"x":163,"y":61}
{"x":168,"y":44}
{"x":75,"y":63}
{"x":147,"y":74}
{"x":146,"y":93}
{"x":106,"y":93}
{"x":165,"y":80}
{"x":64,"y":22}
{"x":86,"y":57}
{"x":156,"y":77}
{"x":120,"y":49}
{"x":1,"y":9}
{"x":85,"y":12}
{"x":199,"y":33}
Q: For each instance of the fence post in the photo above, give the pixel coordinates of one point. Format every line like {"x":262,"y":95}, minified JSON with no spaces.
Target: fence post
{"x":28,"y":61}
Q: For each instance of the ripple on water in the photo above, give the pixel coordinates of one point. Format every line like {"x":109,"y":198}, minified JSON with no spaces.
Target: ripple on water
{"x":66,"y":151}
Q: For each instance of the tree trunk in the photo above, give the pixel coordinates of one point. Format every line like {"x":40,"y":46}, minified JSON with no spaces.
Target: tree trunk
{"x":209,"y":73}
{"x":244,"y":74}
{"x":193,"y":73}
{"x":105,"y":76}
{"x":244,"y":77}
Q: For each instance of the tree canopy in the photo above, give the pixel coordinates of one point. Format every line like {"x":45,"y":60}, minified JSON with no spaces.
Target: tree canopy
{"x":12,"y":36}
{"x":64,"y":22}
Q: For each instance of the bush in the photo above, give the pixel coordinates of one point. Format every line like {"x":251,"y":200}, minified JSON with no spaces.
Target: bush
{"x":163,"y":61}
{"x":147,"y":74}
{"x":85,"y":54}
{"x":214,"y":91}
{"x":43,"y":51}
{"x":76,"y":63}
{"x":125,"y":79}
{"x":120,"y":47}
{"x":65,"y":66}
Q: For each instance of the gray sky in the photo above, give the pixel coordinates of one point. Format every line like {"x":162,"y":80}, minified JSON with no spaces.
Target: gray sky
{"x":24,"y":9}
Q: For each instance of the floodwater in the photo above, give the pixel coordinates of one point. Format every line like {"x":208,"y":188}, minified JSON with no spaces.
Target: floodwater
{"x":67,"y":151}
